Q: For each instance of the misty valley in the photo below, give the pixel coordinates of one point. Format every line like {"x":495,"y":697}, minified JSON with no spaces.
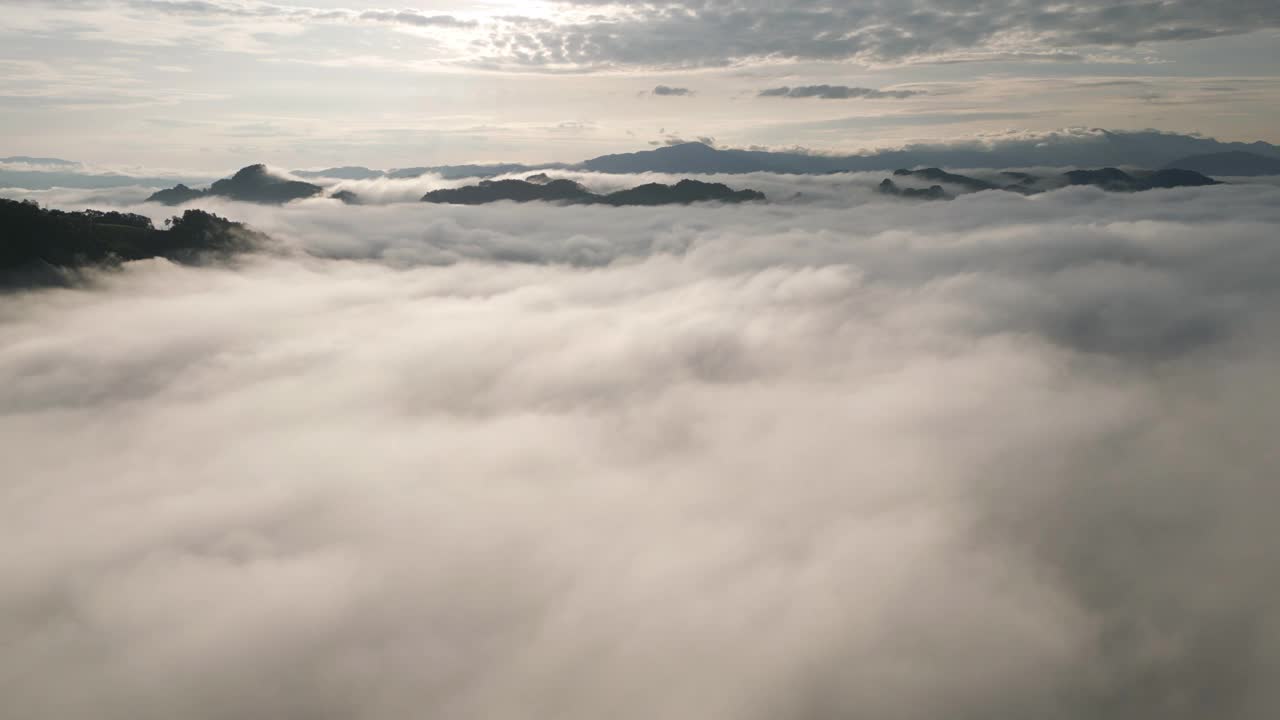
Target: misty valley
{"x":659,"y":360}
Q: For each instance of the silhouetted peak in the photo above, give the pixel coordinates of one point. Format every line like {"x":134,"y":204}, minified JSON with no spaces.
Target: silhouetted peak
{"x":253,"y":172}
{"x":250,"y":184}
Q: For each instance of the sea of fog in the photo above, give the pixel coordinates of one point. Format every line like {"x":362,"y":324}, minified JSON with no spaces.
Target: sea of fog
{"x":832,"y":456}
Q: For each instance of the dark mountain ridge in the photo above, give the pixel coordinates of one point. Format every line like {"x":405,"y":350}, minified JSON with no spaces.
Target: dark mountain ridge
{"x":1109,"y":178}
{"x":542,"y":188}
{"x":254,"y":183}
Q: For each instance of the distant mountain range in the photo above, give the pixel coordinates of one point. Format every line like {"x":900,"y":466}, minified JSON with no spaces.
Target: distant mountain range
{"x":696,"y":158}
{"x":1147,"y":149}
{"x":447,"y":172}
{"x":1132,"y":149}
{"x":256,"y":183}
{"x":41,"y":173}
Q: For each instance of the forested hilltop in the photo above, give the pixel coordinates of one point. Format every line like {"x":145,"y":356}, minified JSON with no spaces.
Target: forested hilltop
{"x":35,"y":242}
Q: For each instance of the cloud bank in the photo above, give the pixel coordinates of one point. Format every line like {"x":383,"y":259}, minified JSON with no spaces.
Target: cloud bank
{"x":837,"y":92}
{"x":668,"y":91}
{"x":595,"y":34}
{"x":1004,"y":458}
{"x":719,"y":32}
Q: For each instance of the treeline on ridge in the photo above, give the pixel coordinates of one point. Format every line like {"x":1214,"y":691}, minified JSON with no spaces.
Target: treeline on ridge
{"x":36,"y":240}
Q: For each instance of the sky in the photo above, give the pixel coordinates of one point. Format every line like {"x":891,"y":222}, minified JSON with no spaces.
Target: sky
{"x":836,"y":453}
{"x":211,"y":85}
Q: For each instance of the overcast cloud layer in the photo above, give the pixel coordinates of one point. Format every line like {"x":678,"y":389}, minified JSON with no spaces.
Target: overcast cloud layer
{"x":1003,"y":457}
{"x":719,"y":31}
{"x":196,"y":86}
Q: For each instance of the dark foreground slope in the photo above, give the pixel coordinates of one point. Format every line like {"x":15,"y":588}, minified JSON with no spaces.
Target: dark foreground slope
{"x":542,"y":188}
{"x":36,"y":243}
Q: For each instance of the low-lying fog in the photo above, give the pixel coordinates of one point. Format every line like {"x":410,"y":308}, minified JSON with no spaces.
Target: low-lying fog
{"x":826,"y":457}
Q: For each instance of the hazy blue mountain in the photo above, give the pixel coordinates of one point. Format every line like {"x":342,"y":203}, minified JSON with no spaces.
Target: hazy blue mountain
{"x":24,"y":160}
{"x":48,"y":179}
{"x":342,"y":173}
{"x":453,"y":172}
{"x":701,"y":158}
{"x":448,"y":172}
{"x":458,"y":172}
{"x":1136,"y":149}
{"x":1235,"y":162}
{"x":44,"y":173}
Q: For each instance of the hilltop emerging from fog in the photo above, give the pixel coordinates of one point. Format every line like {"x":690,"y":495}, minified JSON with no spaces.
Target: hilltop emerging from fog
{"x":542,"y":187}
{"x":251,"y":184}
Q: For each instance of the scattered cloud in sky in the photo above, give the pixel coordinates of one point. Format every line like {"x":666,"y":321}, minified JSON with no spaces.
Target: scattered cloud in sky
{"x":837,"y":92}
{"x":698,"y":33}
{"x":416,"y":19}
{"x":668,"y":91}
